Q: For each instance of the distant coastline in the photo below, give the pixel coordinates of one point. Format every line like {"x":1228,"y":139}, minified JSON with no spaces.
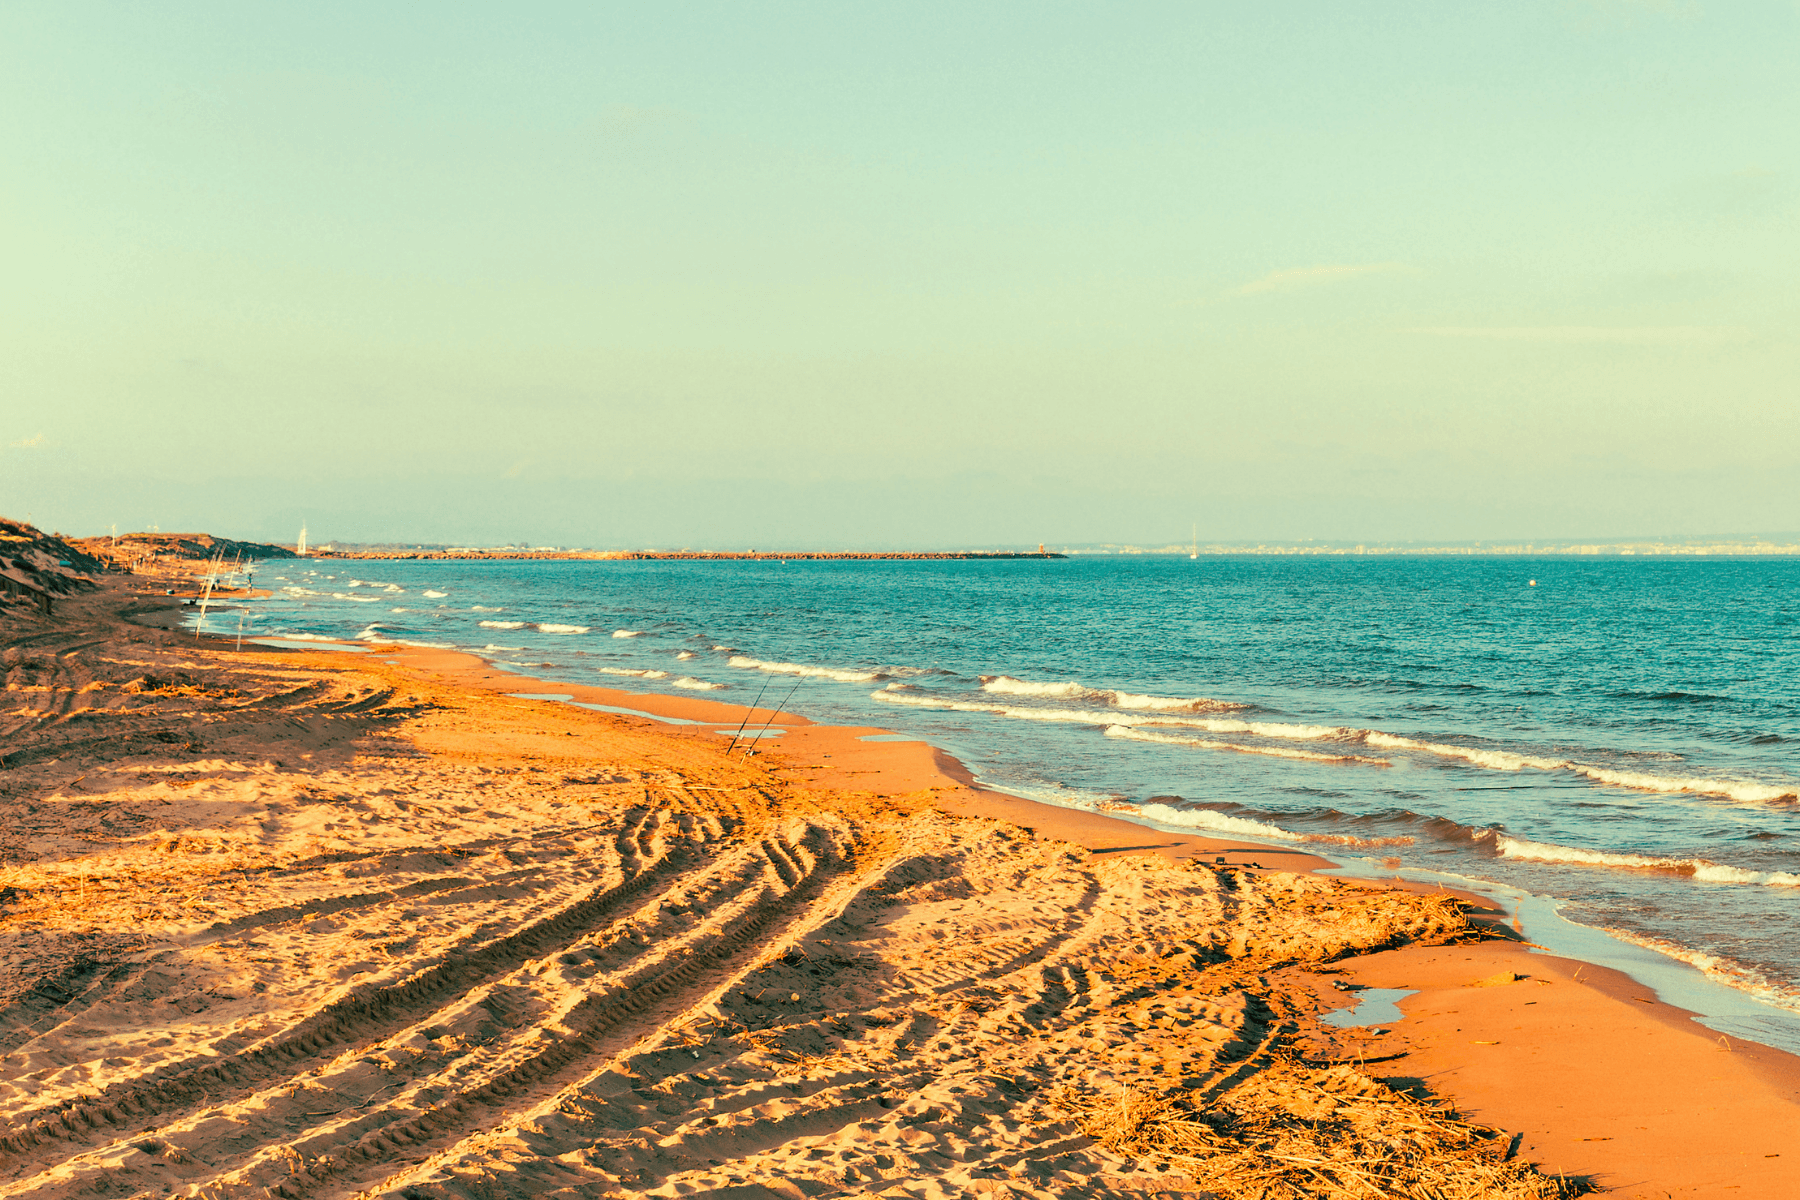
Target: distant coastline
{"x":136,"y":547}
{"x":1722,"y":548}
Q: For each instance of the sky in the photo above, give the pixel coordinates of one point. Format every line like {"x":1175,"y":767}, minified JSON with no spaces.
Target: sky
{"x":857,"y":275}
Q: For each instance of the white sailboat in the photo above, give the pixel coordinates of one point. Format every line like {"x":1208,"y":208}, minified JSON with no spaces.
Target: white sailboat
{"x":1195,"y":553}
{"x":300,"y":548}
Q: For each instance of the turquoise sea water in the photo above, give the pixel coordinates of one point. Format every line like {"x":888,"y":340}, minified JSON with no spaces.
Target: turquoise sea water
{"x":1618,"y":735}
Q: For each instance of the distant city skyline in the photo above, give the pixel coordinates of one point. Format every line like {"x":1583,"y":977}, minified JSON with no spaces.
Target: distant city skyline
{"x":935,"y":276}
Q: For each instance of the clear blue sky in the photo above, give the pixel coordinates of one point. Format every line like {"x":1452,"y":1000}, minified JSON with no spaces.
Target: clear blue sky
{"x":904,"y":275}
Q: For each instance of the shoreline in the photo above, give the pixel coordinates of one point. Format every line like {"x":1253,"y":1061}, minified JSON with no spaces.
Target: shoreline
{"x":1605,"y":1015}
{"x":378,"y":757}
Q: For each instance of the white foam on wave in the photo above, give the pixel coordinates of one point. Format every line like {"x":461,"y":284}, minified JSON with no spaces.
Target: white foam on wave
{"x":1007,"y":685}
{"x":698,"y":685}
{"x":1144,"y":735}
{"x":1496,"y":760}
{"x":501,"y":624}
{"x":1720,"y":970}
{"x":435,"y":595}
{"x":1700,"y":869}
{"x":641,"y":674}
{"x":372,"y":635}
{"x":546,"y":627}
{"x":309,"y":637}
{"x":1507,"y":760}
{"x":358,"y":599}
{"x":685,"y":654}
{"x":397,"y":610}
{"x":1491,"y":759}
{"x":841,"y":674}
{"x":1206,"y":818}
{"x":894,"y":694}
{"x":485,"y":608}
{"x":491,"y":646}
{"x":628,"y":633}
{"x":1731,"y":789}
{"x":1066,"y":797}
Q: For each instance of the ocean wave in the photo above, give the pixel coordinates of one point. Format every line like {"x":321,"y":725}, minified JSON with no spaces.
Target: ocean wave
{"x":1006,"y":685}
{"x":628,"y":633}
{"x":306,"y":637}
{"x":501,"y":624}
{"x":358,"y":599}
{"x":491,"y":646}
{"x":1065,"y":797}
{"x":698,"y":685}
{"x":372,"y":635}
{"x":1688,"y":697}
{"x":1700,"y":869}
{"x":1719,"y":969}
{"x":1731,"y":789}
{"x":435,"y":595}
{"x":686,"y":654}
{"x":546,"y":627}
{"x":1218,"y":822}
{"x":894,"y":695}
{"x":841,"y":674}
{"x":1144,"y":735}
{"x":1494,"y":760}
{"x":1507,"y":760}
{"x":485,"y":608}
{"x":641,"y":674}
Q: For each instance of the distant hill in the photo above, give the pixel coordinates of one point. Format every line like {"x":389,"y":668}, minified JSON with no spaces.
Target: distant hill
{"x":130,"y":548}
{"x":36,"y":567}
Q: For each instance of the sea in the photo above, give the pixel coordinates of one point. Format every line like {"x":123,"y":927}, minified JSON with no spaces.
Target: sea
{"x":1610,"y":746}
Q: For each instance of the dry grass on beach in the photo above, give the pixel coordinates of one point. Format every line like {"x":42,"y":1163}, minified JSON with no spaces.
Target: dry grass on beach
{"x":313,"y":926}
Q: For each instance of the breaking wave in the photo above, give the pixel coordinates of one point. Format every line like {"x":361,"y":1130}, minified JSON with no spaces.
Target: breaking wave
{"x":502,"y":624}
{"x":1144,"y":735}
{"x":893,"y":695}
{"x":546,"y":627}
{"x":435,"y":595}
{"x":628,"y":633}
{"x":841,"y":674}
{"x":1719,"y":970}
{"x":1006,"y":685}
{"x":1700,"y":869}
{"x":1507,"y":760}
{"x":1497,"y":760}
{"x":640,"y":674}
{"x":698,"y":685}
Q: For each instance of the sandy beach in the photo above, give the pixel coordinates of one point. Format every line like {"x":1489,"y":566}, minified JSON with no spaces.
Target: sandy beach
{"x":335,"y":923}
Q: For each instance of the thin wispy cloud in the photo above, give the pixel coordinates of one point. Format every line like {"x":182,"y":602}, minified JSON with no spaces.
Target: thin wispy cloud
{"x":1296,"y":278}
{"x":30,"y":443}
{"x":1706,"y":335}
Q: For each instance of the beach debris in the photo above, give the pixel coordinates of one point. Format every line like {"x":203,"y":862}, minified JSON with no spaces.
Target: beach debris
{"x":1500,"y":979}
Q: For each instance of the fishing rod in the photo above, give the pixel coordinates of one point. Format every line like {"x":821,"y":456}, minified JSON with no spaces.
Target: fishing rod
{"x":747,"y":714}
{"x":776,"y":712}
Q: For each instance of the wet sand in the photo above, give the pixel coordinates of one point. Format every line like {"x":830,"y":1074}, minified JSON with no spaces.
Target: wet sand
{"x":320,"y":923}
